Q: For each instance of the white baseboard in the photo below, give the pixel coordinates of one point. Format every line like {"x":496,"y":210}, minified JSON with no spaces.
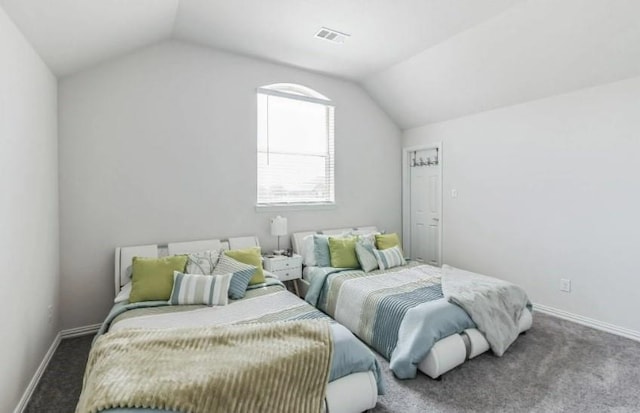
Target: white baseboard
{"x":589,"y":322}
{"x":80,"y":331}
{"x":24,"y":400}
{"x":72,"y":332}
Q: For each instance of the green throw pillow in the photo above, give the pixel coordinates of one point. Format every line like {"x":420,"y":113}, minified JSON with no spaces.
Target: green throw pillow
{"x":384,"y":241}
{"x":250,"y":256}
{"x":152,"y":278}
{"x":343,"y":252}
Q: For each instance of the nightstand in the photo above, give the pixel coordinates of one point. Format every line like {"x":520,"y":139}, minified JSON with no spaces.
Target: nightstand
{"x":285,"y":268}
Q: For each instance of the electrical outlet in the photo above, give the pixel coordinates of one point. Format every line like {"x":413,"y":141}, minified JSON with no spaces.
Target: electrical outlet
{"x":50,"y":313}
{"x":565,"y":285}
{"x":454,"y":193}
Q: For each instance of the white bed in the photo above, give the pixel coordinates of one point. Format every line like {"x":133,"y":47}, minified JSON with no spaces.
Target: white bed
{"x":447,"y":353}
{"x":356,"y":392}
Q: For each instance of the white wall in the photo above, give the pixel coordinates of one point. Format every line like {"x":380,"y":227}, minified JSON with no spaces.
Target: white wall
{"x":549,"y":189}
{"x":161,"y":146}
{"x":28,"y":212}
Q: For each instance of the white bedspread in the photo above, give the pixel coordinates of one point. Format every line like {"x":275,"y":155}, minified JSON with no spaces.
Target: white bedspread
{"x":218,"y":315}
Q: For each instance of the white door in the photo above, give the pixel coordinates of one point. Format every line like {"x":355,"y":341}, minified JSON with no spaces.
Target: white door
{"x":425,"y":213}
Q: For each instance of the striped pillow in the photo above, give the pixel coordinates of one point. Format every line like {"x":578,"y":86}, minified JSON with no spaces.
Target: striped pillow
{"x":366,"y":258}
{"x":200,"y":289}
{"x":242,"y":274}
{"x":389,"y":258}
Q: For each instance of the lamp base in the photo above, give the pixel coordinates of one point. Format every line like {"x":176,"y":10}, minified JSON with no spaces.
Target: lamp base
{"x":279,"y":252}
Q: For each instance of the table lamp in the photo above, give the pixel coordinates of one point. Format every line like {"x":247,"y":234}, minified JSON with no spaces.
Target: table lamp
{"x":278,"y":229}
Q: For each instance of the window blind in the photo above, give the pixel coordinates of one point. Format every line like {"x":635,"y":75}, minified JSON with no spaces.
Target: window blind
{"x":295,"y":150}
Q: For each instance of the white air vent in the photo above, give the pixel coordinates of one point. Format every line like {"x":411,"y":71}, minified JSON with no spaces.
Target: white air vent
{"x":331,"y":35}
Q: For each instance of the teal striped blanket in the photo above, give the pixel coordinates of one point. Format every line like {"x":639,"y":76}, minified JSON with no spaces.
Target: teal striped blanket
{"x":400,"y":312}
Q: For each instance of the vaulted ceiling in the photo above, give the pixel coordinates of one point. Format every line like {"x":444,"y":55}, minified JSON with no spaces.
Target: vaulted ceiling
{"x":422,"y":60}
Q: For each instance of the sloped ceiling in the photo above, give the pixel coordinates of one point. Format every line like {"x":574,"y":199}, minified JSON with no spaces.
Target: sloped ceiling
{"x":71,"y":35}
{"x":422,"y":60}
{"x":535,"y":49}
{"x":382,"y":32}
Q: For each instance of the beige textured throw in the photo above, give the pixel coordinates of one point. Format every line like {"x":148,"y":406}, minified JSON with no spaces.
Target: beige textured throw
{"x":270,"y":367}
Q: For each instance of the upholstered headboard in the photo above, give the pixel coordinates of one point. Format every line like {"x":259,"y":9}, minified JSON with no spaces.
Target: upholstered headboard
{"x":124,"y":255}
{"x":297,"y":237}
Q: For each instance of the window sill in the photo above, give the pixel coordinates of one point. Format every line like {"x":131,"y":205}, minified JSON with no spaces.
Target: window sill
{"x":295,"y":207}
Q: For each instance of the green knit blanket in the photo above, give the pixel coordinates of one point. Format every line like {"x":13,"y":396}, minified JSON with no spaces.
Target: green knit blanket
{"x":269,"y":367}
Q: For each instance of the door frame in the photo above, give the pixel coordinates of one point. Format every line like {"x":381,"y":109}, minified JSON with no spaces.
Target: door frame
{"x":406,"y":195}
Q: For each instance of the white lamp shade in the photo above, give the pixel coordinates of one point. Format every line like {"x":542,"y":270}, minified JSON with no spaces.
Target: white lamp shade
{"x":278,"y":226}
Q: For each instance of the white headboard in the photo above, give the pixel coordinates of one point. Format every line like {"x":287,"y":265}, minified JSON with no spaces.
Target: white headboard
{"x":124,"y":255}
{"x":297,"y":237}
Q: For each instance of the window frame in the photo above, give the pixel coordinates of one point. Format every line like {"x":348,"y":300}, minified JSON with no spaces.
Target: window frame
{"x":300,"y":93}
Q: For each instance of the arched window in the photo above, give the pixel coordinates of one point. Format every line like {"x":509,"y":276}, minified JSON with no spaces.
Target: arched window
{"x":295,"y":146}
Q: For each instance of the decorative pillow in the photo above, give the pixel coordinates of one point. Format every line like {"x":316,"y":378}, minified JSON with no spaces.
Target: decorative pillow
{"x":152,"y":278}
{"x":202,"y":262}
{"x":321,"y":250}
{"x":389,"y":258}
{"x":343,"y":252}
{"x":250,"y":256}
{"x":369,"y":238}
{"x":241,"y":275}
{"x":366,"y":257}
{"x":384,"y":241}
{"x":123,"y":295}
{"x":308,"y":253}
{"x":200,"y":289}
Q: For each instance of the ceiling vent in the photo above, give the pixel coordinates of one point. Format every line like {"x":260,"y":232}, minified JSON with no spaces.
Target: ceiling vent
{"x":331,"y":35}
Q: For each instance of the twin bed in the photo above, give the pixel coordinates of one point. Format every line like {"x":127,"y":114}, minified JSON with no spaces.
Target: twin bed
{"x":354,"y":377}
{"x":404,"y":315}
{"x":426,"y":339}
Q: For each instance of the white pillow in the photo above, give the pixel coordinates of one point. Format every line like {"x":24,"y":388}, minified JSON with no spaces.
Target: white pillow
{"x":368,"y":238}
{"x":308,"y":251}
{"x":123,"y":295}
{"x":202,"y":262}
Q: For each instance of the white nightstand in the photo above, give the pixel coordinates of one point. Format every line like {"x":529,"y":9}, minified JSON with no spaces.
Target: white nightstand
{"x":285,"y":268}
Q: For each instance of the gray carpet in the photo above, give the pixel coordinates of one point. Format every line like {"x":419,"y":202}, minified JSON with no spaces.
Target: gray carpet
{"x":59,"y":388}
{"x":557,"y":366}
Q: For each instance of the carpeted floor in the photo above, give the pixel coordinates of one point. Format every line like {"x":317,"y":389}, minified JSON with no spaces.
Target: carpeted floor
{"x":557,"y":366}
{"x":59,"y":388}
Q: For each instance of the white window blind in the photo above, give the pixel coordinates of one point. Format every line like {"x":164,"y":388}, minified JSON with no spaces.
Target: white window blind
{"x":295,"y":149}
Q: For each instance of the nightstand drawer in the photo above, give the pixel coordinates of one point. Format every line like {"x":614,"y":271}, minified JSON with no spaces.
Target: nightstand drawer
{"x":288,"y":274}
{"x":285,"y":268}
{"x":281,"y":264}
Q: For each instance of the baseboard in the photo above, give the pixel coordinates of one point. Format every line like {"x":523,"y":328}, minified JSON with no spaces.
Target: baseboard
{"x":72,"y":332}
{"x":80,"y":331}
{"x":24,"y":400}
{"x":589,"y":322}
